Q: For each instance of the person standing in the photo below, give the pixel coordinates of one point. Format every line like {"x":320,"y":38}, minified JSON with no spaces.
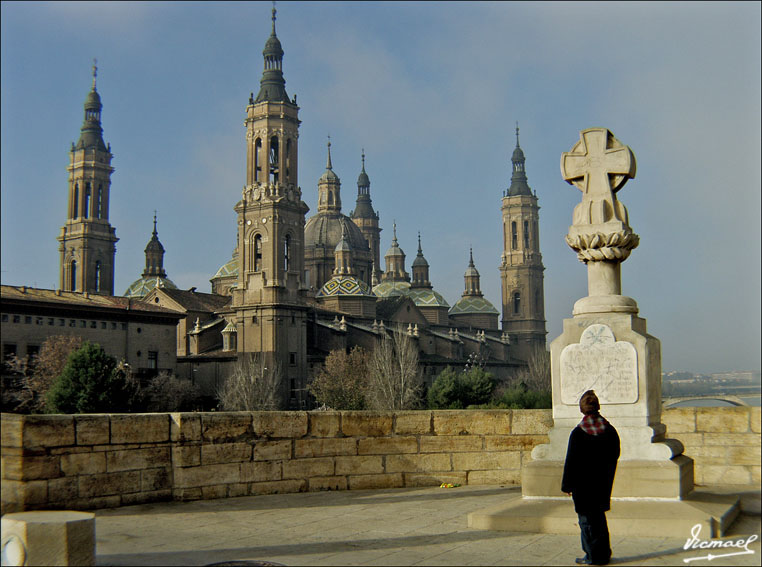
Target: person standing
{"x":591,"y":460}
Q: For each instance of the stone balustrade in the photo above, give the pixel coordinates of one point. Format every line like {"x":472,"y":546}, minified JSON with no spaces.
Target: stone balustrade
{"x":90,"y":461}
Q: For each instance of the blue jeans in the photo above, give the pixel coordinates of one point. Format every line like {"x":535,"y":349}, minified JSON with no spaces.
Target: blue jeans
{"x":595,"y":537}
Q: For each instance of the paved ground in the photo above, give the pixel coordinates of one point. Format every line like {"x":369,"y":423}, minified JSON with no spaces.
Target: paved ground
{"x":422,"y":526}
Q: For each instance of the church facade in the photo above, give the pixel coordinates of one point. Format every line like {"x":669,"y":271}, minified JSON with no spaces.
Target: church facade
{"x":298,"y":286}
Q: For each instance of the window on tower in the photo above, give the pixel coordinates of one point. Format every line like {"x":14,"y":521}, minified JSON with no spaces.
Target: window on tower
{"x":87,"y":200}
{"x":257,"y":160}
{"x":75,"y":211}
{"x":99,"y":204}
{"x":288,"y":160}
{"x":98,"y":275}
{"x":73,"y":275}
{"x":258,"y":253}
{"x":526,"y":234}
{"x":514,"y":236}
{"x":274,"y":159}
{"x":287,"y":253}
{"x":516,"y":303}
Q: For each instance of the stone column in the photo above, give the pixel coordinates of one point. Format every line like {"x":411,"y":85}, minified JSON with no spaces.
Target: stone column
{"x":605,"y":346}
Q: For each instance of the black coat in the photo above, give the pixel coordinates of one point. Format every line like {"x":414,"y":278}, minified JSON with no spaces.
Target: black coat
{"x":589,"y":469}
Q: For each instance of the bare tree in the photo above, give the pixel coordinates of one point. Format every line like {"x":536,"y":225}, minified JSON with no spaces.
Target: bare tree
{"x":36,"y":374}
{"x":166,"y":392}
{"x":395,"y":381}
{"x":252,"y":385}
{"x":341,"y":384}
{"x":536,"y":376}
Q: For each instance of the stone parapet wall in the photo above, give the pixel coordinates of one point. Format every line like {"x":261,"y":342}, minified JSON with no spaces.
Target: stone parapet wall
{"x":100,"y":461}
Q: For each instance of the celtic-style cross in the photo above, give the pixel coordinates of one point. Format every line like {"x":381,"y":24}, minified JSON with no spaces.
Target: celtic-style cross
{"x":599,"y":165}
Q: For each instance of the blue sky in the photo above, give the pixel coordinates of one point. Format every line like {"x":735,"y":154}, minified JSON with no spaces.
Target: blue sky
{"x":432,"y":92}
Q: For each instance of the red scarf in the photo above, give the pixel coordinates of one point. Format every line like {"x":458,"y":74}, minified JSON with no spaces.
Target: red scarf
{"x":593,"y":424}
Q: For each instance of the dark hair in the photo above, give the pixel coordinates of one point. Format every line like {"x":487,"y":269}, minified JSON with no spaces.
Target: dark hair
{"x":588,"y":403}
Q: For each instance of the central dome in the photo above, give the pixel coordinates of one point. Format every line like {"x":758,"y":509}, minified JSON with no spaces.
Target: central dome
{"x":325,"y":229}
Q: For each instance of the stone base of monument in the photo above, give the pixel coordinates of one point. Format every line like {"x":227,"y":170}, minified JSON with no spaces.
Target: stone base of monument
{"x":671,"y":479}
{"x":636,"y":518}
{"x":48,"y":538}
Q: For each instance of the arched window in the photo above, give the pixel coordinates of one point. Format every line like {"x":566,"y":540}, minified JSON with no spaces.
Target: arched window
{"x":73,"y":275}
{"x":99,"y":204}
{"x":257,"y":160}
{"x":98,"y":275}
{"x":288,"y":160}
{"x":287,"y":253}
{"x":75,"y":211}
{"x":87,"y":201}
{"x":514,"y":236}
{"x":258,"y":253}
{"x":274,"y":159}
{"x":516,"y":303}
{"x":526,"y":234}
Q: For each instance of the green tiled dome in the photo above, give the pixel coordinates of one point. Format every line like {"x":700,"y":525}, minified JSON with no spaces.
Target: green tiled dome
{"x":390,"y":289}
{"x":229,"y":269}
{"x":141,"y":287}
{"x":471,"y":304}
{"x":427,"y":298}
{"x":344,"y":285}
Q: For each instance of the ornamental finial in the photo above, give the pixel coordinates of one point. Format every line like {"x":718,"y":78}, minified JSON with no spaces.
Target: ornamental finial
{"x":95,"y":71}
{"x":274,"y":11}
{"x":517,"y":134}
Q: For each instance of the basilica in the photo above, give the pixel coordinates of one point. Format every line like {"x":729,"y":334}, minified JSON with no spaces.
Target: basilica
{"x":299,"y":286}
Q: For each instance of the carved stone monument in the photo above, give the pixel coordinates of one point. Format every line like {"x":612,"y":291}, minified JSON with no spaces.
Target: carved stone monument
{"x":605,"y":346}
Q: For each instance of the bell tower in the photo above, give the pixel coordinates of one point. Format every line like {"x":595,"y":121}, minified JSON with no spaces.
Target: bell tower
{"x":521,"y":269}
{"x":87,"y":240}
{"x":268,"y":300}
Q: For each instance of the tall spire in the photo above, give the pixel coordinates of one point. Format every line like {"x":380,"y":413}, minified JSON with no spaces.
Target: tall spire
{"x":273,"y":85}
{"x":519,"y":184}
{"x":154,"y":255}
{"x":329,"y":165}
{"x":95,"y":72}
{"x":91,"y":133}
{"x":329,"y":187}
{"x":420,"y":268}
{"x":472,"y":277}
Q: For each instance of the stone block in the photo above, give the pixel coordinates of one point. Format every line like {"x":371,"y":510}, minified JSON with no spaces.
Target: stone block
{"x":755,"y":418}
{"x":434,"y":478}
{"x":450,"y":443}
{"x":186,"y":455}
{"x":755,"y":474}
{"x":83,"y":463}
{"x":486,"y":461}
{"x":238,"y":489}
{"x":724,"y":474}
{"x":186,"y":494}
{"x":531,"y":421}
{"x":19,"y":495}
{"x":135,"y":459}
{"x":47,"y":430}
{"x":724,"y":419}
{"x":272,"y":450}
{"x":146,"y":497}
{"x":99,"y":502}
{"x":155,"y":479}
{"x":185,"y":427}
{"x":278,"y":487}
{"x":214,"y":492}
{"x":324,"y":423}
{"x":63,"y":489}
{"x":11,"y":428}
{"x":513,"y":442}
{"x":207,"y":475}
{"x":212,"y":454}
{"x":92,"y":429}
{"x":261,"y":471}
{"x":387,"y":445}
{"x":224,"y":425}
{"x":465,"y":422}
{"x":731,"y":439}
{"x":23,"y":467}
{"x":50,"y":537}
{"x":109,"y":483}
{"x":366,"y":423}
{"x":744,"y":455}
{"x":374,"y":481}
{"x":305,"y":468}
{"x":280,"y":424}
{"x":359,"y":465}
{"x":418,"y":463}
{"x":654,"y":479}
{"x":325,"y":447}
{"x":709,"y":455}
{"x":319,"y":483}
{"x":679,"y":420}
{"x":689,"y":439}
{"x":512,"y":476}
{"x":412,"y":423}
{"x":140,"y":428}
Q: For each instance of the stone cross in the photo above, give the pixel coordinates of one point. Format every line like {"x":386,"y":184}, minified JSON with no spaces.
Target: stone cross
{"x":599,"y":165}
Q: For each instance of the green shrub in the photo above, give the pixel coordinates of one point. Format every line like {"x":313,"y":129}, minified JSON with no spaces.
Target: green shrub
{"x":457,"y":390}
{"x":521,"y":398}
{"x":90,"y":383}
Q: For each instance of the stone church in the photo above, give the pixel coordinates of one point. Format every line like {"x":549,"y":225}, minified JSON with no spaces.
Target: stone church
{"x":299,"y":286}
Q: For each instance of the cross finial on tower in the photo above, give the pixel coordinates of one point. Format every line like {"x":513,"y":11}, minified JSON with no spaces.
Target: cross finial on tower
{"x":470,"y":256}
{"x":154,"y":221}
{"x":363,"y":159}
{"x":95,"y":71}
{"x":517,"y":134}
{"x":394,"y":225}
{"x":274,"y":11}
{"x":419,"y":243}
{"x":329,"y":165}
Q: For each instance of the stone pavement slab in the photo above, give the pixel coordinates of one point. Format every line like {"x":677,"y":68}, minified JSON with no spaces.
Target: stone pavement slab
{"x":407,"y":526}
